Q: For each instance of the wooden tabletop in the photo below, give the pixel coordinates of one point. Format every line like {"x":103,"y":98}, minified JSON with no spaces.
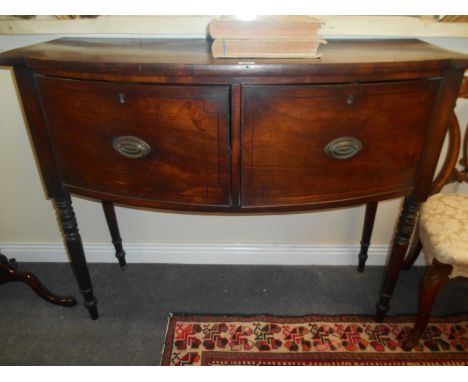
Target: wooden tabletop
{"x":184,"y":57}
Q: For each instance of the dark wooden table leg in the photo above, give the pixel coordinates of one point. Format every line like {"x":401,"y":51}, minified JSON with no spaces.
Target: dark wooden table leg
{"x":9,"y":272}
{"x":109,"y":212}
{"x":371,"y":209}
{"x":400,"y":245}
{"x":413,"y":253}
{"x":76,"y":252}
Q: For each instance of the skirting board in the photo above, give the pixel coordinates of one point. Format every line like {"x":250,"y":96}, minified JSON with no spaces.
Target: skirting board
{"x":190,"y":253}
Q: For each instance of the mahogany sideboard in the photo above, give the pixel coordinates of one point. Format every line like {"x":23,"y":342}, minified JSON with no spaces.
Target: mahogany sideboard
{"x":160,"y":123}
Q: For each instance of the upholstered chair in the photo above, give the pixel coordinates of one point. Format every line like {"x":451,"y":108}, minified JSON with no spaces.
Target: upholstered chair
{"x":442,"y":234}
{"x":443,"y":231}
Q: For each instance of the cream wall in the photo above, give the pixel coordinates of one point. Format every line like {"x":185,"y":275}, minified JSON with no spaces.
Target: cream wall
{"x":28,"y":228}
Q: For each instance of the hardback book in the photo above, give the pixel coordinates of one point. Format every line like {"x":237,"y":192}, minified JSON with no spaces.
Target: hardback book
{"x":265,"y":27}
{"x":266,"y":48}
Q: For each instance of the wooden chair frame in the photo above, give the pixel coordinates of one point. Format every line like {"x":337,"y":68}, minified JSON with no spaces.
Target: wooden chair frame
{"x":437,"y":274}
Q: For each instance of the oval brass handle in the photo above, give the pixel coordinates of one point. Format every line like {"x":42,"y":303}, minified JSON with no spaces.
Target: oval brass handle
{"x":131,"y":147}
{"x":343,"y":147}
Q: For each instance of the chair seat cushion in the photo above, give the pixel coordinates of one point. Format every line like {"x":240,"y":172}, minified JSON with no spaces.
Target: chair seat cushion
{"x":443,"y":230}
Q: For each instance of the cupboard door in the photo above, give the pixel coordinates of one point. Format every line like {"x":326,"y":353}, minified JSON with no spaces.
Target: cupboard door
{"x":305,"y":145}
{"x":162,"y":143}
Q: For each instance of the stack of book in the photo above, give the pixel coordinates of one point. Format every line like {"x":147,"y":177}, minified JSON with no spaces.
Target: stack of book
{"x":265,"y":37}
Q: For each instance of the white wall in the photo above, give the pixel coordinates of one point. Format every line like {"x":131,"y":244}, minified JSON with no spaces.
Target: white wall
{"x":28,"y":227}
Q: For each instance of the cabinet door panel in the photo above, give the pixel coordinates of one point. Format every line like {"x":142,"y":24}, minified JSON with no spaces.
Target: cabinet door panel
{"x":318,"y":144}
{"x":186,"y":129}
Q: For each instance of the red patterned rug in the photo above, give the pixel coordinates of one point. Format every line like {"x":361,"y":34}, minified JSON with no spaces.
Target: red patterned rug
{"x":311,"y":340}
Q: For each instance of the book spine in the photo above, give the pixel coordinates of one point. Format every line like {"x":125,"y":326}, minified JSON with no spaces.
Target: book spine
{"x":266,"y":48}
{"x":262,"y":30}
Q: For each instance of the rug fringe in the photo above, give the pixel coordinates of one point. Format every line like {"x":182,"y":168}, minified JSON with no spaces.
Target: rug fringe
{"x":170,"y":315}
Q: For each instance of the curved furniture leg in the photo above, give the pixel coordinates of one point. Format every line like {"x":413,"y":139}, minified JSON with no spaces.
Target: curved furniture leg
{"x":434,"y":279}
{"x":76,"y":252}
{"x":9,"y":272}
{"x":400,"y":244}
{"x":109,"y":212}
{"x":371,"y":209}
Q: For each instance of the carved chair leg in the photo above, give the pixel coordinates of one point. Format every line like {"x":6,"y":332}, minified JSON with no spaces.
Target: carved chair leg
{"x":434,"y":279}
{"x":400,"y":245}
{"x":109,"y":212}
{"x":371,"y":209}
{"x":76,"y":252}
{"x":9,"y":272}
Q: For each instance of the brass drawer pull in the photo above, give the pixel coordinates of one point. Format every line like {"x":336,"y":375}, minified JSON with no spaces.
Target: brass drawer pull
{"x":131,"y":147}
{"x":343,"y":147}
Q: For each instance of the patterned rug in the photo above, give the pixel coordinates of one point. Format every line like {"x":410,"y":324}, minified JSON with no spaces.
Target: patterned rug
{"x":311,"y":340}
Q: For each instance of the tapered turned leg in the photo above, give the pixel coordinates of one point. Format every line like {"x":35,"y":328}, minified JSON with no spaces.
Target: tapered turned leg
{"x":413,"y":253}
{"x":111,"y":219}
{"x":400,"y":245}
{"x":434,"y":279}
{"x":9,"y":272}
{"x":76,"y":252}
{"x":371,"y":209}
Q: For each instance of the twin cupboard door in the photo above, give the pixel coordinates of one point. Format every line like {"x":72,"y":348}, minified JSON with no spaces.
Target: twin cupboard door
{"x":300,"y":144}
{"x":163,"y":143}
{"x":323,"y":143}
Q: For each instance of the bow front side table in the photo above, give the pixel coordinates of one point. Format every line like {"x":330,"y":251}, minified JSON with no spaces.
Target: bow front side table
{"x":159,"y":123}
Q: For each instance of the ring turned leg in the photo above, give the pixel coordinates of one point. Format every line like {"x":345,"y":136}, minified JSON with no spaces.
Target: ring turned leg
{"x":371,"y":209}
{"x":109,"y":212}
{"x":434,"y":279}
{"x":413,"y":253}
{"x":9,"y":272}
{"x":76,"y":252}
{"x":400,"y":245}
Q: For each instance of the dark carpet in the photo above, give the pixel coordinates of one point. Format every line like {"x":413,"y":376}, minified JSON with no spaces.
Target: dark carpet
{"x":134,"y":305}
